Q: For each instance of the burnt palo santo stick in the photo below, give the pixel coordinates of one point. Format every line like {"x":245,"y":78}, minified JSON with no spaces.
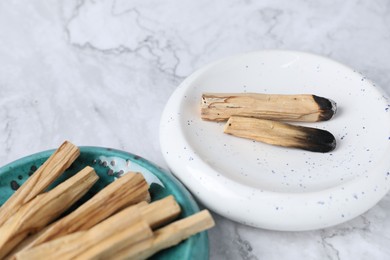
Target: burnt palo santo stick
{"x":300,"y":108}
{"x":281,"y":134}
{"x":55,"y":165}
{"x":130,"y":189}
{"x":44,"y":208}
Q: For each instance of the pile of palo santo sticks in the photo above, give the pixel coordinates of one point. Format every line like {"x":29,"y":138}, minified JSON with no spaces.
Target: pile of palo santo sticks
{"x":119,"y":222}
{"x":256,"y":116}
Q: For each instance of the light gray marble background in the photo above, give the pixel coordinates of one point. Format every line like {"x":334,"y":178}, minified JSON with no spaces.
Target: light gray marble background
{"x":99,"y":72}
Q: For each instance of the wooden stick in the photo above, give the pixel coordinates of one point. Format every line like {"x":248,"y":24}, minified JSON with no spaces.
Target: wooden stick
{"x":282,"y":134}
{"x":25,"y":243}
{"x":130,"y":189}
{"x":55,"y":165}
{"x":49,"y":250}
{"x":167,"y":236}
{"x":69,"y":246}
{"x":303,"y":108}
{"x":126,"y":238}
{"x":44,"y":208}
{"x":160,"y":212}
{"x":157,"y":213}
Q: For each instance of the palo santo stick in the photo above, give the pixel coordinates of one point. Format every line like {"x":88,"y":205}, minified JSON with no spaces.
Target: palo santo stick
{"x":130,"y":189}
{"x":167,"y":236}
{"x":55,"y":165}
{"x":69,"y":246}
{"x":25,"y":242}
{"x":127,"y":237}
{"x":44,"y":208}
{"x":303,"y":108}
{"x":59,"y":246}
{"x":160,"y":212}
{"x":282,"y":134}
{"x":154,"y":214}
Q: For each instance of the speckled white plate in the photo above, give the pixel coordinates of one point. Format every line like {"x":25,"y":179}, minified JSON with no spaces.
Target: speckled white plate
{"x":274,"y":187}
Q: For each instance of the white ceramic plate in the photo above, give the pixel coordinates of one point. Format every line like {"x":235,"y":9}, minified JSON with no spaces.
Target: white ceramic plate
{"x":274,"y":187}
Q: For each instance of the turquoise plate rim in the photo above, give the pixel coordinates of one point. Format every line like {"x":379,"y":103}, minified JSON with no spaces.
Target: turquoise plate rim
{"x":182,"y":195}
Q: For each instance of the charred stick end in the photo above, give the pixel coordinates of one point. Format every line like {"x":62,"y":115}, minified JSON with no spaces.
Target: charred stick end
{"x":281,"y":134}
{"x":327,"y":107}
{"x":317,"y":140}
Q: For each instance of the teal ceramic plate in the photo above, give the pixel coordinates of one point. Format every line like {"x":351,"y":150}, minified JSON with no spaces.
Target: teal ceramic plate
{"x":108,"y":164}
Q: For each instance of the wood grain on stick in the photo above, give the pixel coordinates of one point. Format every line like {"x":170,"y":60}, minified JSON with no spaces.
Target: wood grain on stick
{"x":303,"y":108}
{"x":281,"y":134}
{"x":25,"y":243}
{"x":69,"y":246}
{"x":43,"y":209}
{"x":117,"y":242}
{"x":130,"y":189}
{"x":45,"y":175}
{"x":167,"y":236}
{"x":157,"y":213}
{"x":160,"y":212}
{"x":55,"y":249}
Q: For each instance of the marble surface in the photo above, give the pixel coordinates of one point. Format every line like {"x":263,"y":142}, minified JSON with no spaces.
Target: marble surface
{"x":100,"y":72}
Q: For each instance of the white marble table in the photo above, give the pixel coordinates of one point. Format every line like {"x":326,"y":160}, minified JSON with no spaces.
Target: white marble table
{"x":100,"y":72}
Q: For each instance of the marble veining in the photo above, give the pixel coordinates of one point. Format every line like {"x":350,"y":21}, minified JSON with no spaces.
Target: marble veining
{"x":100,"y":72}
